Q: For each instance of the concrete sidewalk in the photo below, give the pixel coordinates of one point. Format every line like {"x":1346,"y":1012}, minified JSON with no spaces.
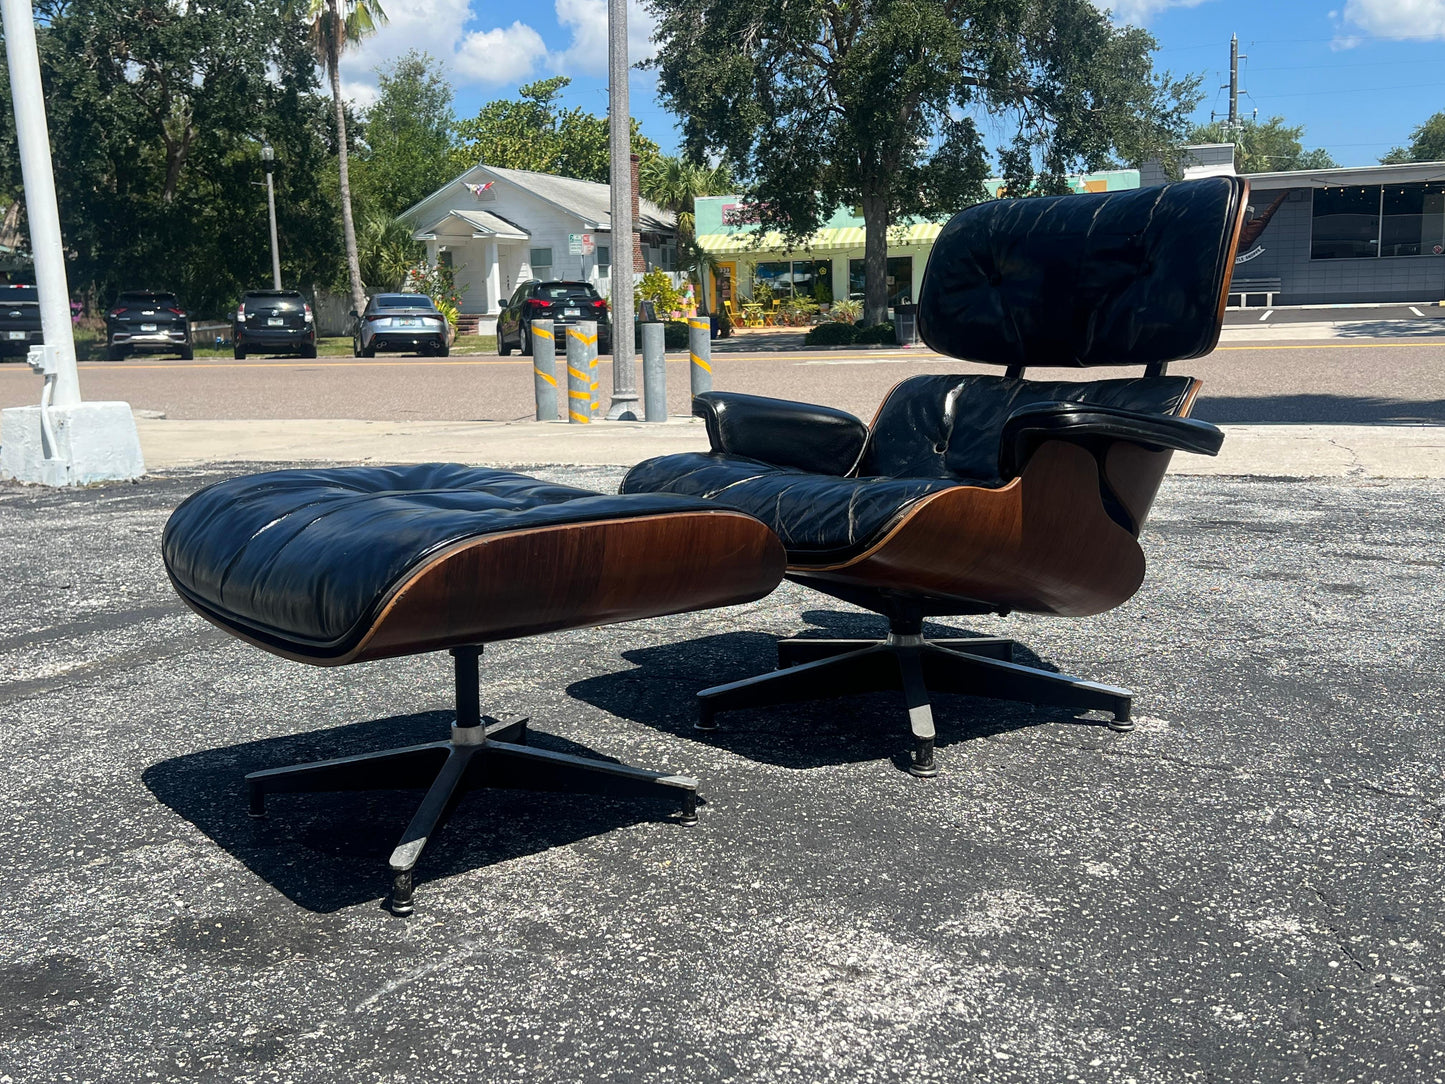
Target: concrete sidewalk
{"x":1284,"y":451}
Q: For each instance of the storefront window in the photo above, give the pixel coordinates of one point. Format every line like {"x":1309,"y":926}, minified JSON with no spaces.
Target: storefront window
{"x":1414,"y":219}
{"x":900,"y":280}
{"x":1346,"y":223}
{"x":797,"y":278}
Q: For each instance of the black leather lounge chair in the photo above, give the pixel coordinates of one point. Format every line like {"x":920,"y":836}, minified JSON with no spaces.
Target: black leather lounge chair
{"x":986,"y":494}
{"x":339,"y":566}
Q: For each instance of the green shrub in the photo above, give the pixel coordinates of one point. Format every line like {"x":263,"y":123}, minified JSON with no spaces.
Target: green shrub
{"x":877,"y":333}
{"x":831,"y":334}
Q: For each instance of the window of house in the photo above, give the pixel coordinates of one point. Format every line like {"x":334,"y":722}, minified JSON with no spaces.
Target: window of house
{"x":541,"y":261}
{"x":604,"y":257}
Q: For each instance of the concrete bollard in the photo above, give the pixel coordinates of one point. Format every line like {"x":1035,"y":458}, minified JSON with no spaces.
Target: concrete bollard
{"x":699,"y":348}
{"x":579,"y":378}
{"x":544,"y":370}
{"x":654,"y":373}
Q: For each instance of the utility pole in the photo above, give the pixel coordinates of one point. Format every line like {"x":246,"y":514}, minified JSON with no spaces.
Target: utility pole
{"x":1234,"y":83}
{"x":619,"y":119}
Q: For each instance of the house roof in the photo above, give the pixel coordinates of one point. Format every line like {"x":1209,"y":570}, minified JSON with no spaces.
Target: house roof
{"x":588,"y":201}
{"x":483,"y":223}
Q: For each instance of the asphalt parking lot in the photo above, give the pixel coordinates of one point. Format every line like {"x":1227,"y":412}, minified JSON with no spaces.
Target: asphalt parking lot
{"x":1247,"y":887}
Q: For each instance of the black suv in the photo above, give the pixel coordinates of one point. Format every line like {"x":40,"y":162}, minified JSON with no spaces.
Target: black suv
{"x":562,"y":302}
{"x":274,"y":322}
{"x":147,"y":321}
{"x":19,"y":320}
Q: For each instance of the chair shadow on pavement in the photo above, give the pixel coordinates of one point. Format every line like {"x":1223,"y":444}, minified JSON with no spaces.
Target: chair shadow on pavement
{"x":660,"y":693}
{"x":326,"y":851}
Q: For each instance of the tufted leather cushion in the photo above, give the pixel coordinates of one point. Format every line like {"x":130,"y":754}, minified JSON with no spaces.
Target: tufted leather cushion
{"x":818,"y":517}
{"x":309,"y":554}
{"x":949,"y":426}
{"x":1110,"y":278}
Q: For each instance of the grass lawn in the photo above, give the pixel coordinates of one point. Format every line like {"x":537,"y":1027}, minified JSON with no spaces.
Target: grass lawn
{"x":90,"y":346}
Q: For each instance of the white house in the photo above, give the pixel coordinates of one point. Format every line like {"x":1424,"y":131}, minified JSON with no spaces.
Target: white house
{"x":499,"y":227}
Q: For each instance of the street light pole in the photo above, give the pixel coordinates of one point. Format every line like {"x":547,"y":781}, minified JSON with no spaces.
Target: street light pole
{"x":32,"y":134}
{"x":268,"y":163}
{"x":619,"y":119}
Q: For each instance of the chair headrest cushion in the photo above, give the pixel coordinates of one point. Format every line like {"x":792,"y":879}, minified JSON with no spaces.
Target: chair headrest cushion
{"x":1109,"y":278}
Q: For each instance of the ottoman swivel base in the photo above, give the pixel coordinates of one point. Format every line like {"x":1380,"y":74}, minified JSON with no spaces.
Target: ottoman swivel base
{"x":482,"y":752}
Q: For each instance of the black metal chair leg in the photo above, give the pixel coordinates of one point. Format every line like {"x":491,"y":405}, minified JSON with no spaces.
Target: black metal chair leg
{"x":515,"y":767}
{"x":866,"y":670}
{"x":404,"y":768}
{"x":920,"y":712}
{"x":973,"y":675}
{"x":993,"y":647}
{"x":441,"y":798}
{"x":801,"y":649}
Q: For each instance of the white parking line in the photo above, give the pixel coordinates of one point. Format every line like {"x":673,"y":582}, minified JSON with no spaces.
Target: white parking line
{"x":1267,"y":314}
{"x":1416,"y":311}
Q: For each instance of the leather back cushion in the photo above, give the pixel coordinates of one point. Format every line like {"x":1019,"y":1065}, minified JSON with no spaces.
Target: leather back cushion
{"x":1103,"y":279}
{"x":949,"y":426}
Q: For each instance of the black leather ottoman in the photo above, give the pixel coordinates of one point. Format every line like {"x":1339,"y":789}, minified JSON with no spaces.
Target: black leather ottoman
{"x":334,"y":566}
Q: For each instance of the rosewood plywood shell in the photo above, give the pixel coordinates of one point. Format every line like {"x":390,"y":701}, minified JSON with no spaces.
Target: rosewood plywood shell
{"x":1043,"y":543}
{"x":509,"y":584}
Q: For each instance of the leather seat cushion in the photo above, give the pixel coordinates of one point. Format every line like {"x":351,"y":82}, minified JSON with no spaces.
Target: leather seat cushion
{"x":818,"y":517}
{"x":309,"y":554}
{"x":949,"y":426}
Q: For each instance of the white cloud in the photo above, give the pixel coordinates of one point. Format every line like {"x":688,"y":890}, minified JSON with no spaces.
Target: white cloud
{"x":497,"y":56}
{"x":1137,"y":12}
{"x":503,"y":55}
{"x":586,"y":20}
{"x":1421,"y":20}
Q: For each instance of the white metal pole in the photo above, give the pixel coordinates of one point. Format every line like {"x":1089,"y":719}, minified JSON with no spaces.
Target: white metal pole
{"x":41,"y":210}
{"x":619,"y":119}
{"x":275,"y":251}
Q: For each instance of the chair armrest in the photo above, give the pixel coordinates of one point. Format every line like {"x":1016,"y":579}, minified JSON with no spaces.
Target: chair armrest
{"x":1029,"y":426}
{"x":780,"y":432}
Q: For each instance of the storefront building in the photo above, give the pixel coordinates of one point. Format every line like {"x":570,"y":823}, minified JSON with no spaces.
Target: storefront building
{"x":1345,"y":236}
{"x":829,"y":264}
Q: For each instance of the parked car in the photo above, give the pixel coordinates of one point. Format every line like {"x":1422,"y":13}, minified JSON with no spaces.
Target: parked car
{"x":274,"y":322}
{"x":399,"y":322}
{"x":147,"y":321}
{"x":19,"y":320}
{"x":562,"y":302}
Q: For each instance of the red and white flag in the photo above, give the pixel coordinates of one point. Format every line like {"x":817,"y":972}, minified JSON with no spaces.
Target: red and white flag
{"x":478,"y":189}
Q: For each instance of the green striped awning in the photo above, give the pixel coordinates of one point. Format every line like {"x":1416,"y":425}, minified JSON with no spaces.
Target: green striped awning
{"x":839,"y":237}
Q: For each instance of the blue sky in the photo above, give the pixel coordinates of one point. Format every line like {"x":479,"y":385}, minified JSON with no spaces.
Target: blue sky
{"x":1359,"y":74}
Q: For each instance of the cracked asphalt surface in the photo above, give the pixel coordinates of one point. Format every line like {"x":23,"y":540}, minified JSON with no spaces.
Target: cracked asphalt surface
{"x":1245,"y":888}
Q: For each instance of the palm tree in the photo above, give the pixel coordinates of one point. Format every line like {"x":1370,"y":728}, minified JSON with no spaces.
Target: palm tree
{"x":675,"y":183}
{"x":335,"y":25}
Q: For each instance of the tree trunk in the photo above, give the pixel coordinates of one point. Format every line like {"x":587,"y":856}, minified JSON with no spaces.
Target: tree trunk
{"x":353,"y":260}
{"x":875,"y":259}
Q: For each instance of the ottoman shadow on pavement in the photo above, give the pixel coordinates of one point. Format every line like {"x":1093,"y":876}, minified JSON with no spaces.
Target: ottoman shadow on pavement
{"x":335,"y":566}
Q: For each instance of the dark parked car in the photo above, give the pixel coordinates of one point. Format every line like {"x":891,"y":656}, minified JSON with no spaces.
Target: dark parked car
{"x":400,"y":322}
{"x":274,"y":322}
{"x":147,"y":321}
{"x":562,"y":302}
{"x":19,"y":320}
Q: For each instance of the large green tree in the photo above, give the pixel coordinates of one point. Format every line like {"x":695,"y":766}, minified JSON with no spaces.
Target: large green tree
{"x":1269,"y":147}
{"x":155,"y":111}
{"x":1427,"y":144}
{"x":407,"y":136}
{"x":534,"y":132}
{"x":874,"y":102}
{"x":335,"y":26}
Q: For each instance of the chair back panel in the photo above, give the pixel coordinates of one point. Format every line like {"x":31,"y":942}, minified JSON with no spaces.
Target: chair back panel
{"x":1111,"y":278}
{"x":949,"y":426}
